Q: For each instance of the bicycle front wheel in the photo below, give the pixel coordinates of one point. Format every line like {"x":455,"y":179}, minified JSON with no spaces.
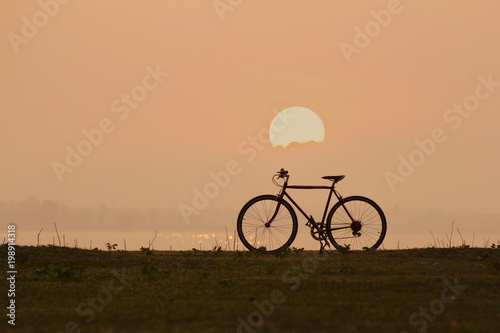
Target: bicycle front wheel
{"x":358,"y":222}
{"x":258,"y":237}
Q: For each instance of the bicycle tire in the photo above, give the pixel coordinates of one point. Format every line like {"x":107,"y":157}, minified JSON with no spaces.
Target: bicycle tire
{"x":369,"y":222}
{"x":252,"y":230}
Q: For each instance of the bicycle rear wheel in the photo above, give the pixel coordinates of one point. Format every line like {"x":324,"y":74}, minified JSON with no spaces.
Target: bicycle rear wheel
{"x":363,"y":227}
{"x":253,"y":232}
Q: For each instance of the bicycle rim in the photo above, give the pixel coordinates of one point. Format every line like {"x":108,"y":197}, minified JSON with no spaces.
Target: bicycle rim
{"x":365,"y":230}
{"x":252,"y":229}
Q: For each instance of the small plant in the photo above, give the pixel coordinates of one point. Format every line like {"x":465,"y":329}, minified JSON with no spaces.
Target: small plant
{"x":111,"y":247}
{"x":216,"y":250}
{"x":147,"y":251}
{"x":244,"y":253}
{"x":493,"y":246}
{"x":344,"y":249}
{"x":297,"y":250}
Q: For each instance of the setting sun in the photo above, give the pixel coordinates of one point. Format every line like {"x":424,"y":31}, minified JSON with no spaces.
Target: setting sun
{"x":296,"y":124}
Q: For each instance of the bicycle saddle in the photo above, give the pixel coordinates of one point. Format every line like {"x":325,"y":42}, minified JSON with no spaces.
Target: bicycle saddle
{"x":334,"y":178}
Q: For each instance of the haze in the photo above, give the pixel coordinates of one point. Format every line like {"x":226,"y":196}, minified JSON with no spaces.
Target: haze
{"x":423,"y":87}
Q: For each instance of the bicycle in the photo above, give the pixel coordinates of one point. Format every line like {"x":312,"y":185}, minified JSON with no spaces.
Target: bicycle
{"x":268,"y":223}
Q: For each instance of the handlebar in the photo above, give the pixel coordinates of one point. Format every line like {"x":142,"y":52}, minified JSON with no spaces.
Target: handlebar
{"x":283,"y":173}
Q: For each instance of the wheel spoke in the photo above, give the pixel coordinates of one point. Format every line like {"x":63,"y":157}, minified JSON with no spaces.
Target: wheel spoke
{"x":368,"y":219}
{"x":253,"y":232}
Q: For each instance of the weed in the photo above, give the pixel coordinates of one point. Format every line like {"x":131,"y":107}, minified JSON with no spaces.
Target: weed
{"x":111,"y":247}
{"x":244,"y":253}
{"x":147,"y":251}
{"x":344,"y":249}
{"x":297,"y":250}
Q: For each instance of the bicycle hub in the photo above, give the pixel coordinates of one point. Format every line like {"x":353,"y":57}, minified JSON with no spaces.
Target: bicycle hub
{"x":356,"y":227}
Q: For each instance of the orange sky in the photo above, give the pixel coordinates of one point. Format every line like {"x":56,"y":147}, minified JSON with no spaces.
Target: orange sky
{"x":226,"y":79}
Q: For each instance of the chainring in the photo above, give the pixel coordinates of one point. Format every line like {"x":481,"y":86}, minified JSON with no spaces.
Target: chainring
{"x":315,"y":233}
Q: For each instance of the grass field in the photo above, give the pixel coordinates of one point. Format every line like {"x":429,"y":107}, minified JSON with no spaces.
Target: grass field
{"x":433,"y":290}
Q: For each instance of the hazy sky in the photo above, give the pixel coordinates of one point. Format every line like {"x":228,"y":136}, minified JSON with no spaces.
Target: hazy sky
{"x":179,"y":89}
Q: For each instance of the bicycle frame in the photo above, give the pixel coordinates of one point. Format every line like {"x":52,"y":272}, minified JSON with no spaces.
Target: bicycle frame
{"x":268,"y":223}
{"x":283,"y":194}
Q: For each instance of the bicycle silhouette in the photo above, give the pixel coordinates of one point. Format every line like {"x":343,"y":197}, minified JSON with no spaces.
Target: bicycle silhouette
{"x":268,"y":223}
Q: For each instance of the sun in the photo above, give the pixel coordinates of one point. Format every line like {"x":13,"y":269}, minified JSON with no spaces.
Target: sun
{"x":296,"y":124}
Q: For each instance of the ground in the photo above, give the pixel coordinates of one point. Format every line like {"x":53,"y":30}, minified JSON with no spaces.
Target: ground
{"x":433,"y":290}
